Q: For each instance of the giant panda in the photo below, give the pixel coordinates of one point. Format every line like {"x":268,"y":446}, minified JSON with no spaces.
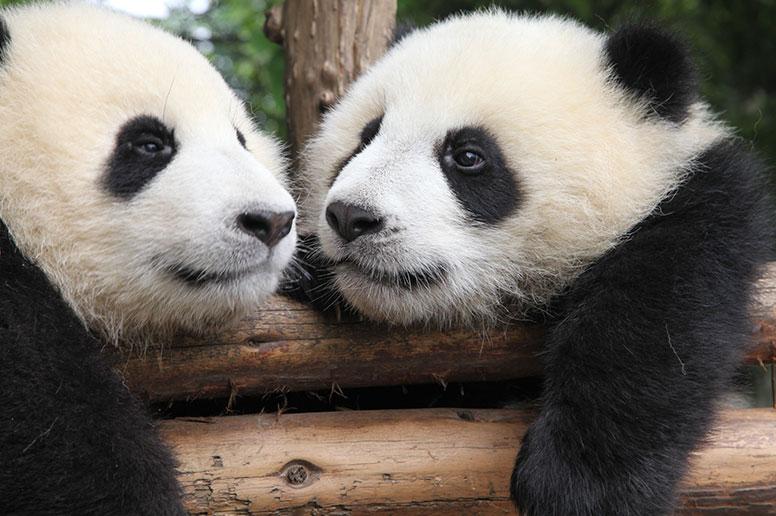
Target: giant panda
{"x":137,"y":200}
{"x":496,"y":167}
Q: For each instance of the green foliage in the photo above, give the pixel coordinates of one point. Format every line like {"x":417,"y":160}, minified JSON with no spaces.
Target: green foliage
{"x":13,"y":3}
{"x":231,"y":36}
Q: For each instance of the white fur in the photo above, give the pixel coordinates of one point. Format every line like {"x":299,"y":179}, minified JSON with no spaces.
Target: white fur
{"x":73,"y":75}
{"x":588,"y":164}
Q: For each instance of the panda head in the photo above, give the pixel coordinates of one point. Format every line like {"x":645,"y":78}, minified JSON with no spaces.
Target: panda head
{"x":486,"y":160}
{"x":132,"y":175}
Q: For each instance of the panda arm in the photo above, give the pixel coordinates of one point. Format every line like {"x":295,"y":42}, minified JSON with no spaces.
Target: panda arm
{"x":649,"y":337}
{"x":73,"y":440}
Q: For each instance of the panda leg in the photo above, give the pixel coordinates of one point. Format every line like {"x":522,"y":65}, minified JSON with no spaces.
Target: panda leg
{"x":628,"y":394}
{"x":73,"y":439}
{"x":648,"y":338}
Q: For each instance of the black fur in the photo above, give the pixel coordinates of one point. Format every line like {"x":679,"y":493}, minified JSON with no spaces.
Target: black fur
{"x":5,"y":40}
{"x":646,"y":340}
{"x":402,"y":29}
{"x":489,"y":195}
{"x":654,"y":65}
{"x":241,"y":138}
{"x":370,"y":130}
{"x":368,"y":133}
{"x":312,"y":281}
{"x":73,"y":440}
{"x":131,"y":167}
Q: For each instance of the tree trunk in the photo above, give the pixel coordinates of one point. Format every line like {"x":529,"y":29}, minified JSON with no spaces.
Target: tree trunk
{"x":327,"y":43}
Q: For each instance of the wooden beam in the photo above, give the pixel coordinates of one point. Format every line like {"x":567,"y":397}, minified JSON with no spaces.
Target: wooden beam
{"x":287,"y":345}
{"x":430,"y":461}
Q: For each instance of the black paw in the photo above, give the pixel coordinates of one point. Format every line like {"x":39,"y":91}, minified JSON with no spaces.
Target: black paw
{"x":560,"y":473}
{"x":543,"y":484}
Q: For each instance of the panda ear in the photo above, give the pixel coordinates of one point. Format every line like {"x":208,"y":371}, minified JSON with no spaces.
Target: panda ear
{"x":656,"y":66}
{"x":401,"y":31}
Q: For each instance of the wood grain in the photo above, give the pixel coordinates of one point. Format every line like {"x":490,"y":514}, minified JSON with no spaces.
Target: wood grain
{"x":430,"y":461}
{"x":288,"y":346}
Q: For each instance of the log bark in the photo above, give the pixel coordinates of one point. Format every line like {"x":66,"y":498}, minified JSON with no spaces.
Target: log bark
{"x":288,"y":346}
{"x":327,"y":44}
{"x":430,"y":461}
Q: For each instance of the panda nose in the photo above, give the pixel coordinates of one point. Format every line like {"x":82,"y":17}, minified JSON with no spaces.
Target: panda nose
{"x":269,"y":227}
{"x":351,"y":222}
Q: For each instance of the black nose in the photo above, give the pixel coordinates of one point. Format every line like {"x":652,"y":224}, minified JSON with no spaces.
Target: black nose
{"x":267,"y":226}
{"x":350,"y":222}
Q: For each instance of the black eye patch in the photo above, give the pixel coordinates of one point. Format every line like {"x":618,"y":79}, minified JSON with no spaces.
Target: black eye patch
{"x":368,"y":134}
{"x":477,"y":173}
{"x":369,"y":131}
{"x":144,"y":147}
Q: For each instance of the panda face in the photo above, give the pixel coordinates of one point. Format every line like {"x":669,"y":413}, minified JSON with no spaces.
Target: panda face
{"x":133,"y":176}
{"x":483,"y":163}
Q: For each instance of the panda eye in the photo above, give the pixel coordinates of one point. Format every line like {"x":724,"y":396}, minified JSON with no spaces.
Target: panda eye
{"x":150,"y":145}
{"x":469,"y":160}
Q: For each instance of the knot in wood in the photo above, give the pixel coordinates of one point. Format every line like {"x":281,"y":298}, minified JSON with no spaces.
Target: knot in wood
{"x":310,"y":78}
{"x":326,"y":99}
{"x":329,"y":73}
{"x":296,"y":474}
{"x":300,"y":473}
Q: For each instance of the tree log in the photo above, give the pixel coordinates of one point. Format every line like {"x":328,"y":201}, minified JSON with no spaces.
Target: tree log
{"x":429,"y":461}
{"x":288,"y":346}
{"x":327,"y":43}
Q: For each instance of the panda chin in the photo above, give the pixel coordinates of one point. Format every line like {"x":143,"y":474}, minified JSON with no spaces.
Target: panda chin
{"x":424,"y":278}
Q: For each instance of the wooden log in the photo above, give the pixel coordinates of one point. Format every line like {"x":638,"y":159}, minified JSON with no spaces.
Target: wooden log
{"x":430,"y":461}
{"x":327,"y":44}
{"x":288,"y":346}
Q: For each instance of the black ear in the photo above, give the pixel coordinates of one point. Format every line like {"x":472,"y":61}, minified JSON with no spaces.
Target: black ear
{"x":655,"y":65}
{"x":402,"y":30}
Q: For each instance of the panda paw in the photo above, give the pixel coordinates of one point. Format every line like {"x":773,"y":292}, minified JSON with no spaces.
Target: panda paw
{"x":540,"y":481}
{"x":549,"y":480}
